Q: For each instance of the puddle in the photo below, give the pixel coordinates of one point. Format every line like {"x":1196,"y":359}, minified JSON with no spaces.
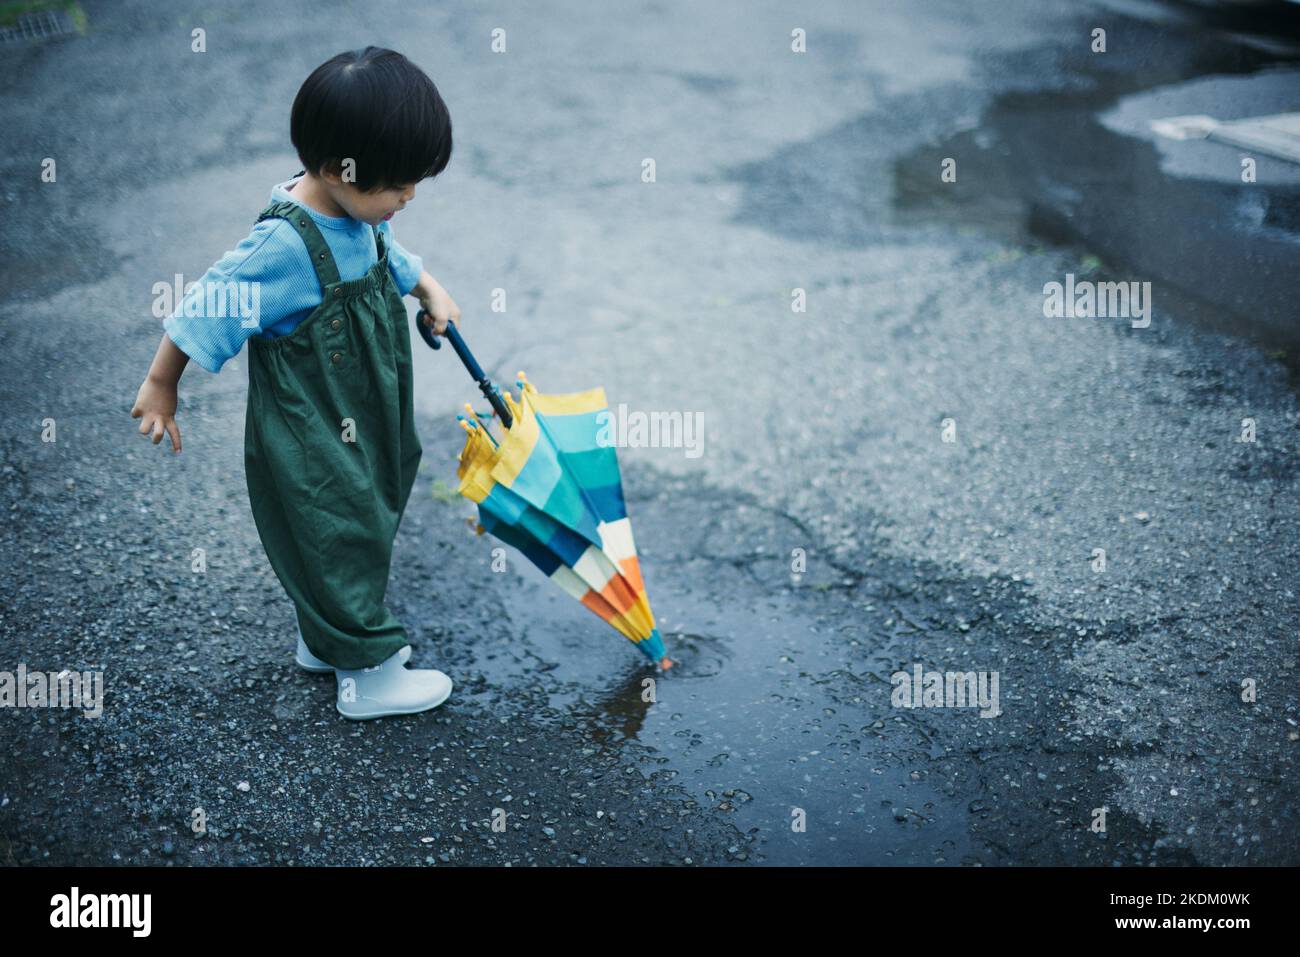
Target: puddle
{"x":747,"y":722}
{"x":1043,"y":169}
{"x":778,"y":705}
{"x":1039,"y":168}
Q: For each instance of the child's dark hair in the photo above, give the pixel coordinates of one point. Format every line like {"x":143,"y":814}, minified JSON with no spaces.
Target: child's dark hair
{"x":377,"y":108}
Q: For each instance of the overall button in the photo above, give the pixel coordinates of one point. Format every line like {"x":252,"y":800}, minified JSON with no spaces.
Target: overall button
{"x":338,"y":291}
{"x":336,"y":358}
{"x":334,"y":324}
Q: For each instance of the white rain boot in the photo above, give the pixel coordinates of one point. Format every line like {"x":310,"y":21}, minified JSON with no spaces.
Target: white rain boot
{"x":389,"y":688}
{"x":309,"y":662}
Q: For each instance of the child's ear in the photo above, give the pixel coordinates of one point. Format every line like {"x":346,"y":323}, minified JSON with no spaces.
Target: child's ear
{"x":332,"y":173}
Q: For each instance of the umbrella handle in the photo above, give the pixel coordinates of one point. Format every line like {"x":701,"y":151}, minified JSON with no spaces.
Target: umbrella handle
{"x":471,"y":365}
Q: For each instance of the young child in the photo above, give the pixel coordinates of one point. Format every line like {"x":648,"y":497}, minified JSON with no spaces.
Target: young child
{"x":330,"y":447}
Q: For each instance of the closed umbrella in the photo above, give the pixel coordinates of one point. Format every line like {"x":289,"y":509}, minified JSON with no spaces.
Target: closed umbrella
{"x":550,"y":487}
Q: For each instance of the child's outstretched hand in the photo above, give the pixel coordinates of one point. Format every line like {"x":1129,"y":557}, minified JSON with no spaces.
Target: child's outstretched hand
{"x":155,"y":405}
{"x":437,"y":302}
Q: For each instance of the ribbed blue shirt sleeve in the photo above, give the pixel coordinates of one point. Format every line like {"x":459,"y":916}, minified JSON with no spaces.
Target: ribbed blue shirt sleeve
{"x":251,"y":287}
{"x":405,"y":266}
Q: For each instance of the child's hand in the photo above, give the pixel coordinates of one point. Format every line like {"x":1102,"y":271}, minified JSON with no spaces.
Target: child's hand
{"x":437,"y":303}
{"x":155,"y":403}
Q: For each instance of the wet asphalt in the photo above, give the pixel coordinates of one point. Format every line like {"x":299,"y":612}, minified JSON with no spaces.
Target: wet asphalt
{"x":827,"y":536}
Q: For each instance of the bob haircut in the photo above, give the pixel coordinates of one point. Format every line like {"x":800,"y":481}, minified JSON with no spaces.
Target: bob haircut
{"x":377,"y":108}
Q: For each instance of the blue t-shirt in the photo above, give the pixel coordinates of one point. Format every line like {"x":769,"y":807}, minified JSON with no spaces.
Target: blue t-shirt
{"x":266,"y":285}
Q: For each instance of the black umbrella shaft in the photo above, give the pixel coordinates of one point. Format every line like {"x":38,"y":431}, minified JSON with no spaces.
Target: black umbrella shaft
{"x":471,"y":365}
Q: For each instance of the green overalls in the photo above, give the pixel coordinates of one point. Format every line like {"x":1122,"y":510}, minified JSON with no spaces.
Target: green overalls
{"x":331,"y":453}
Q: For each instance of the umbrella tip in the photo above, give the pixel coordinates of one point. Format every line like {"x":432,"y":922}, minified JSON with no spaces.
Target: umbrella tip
{"x":665,"y":663}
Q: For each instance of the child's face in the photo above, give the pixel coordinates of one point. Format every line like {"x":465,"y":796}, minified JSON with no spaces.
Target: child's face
{"x":374,"y":207}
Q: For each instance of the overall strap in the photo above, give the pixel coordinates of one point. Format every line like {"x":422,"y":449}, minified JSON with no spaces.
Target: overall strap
{"x":321,"y":258}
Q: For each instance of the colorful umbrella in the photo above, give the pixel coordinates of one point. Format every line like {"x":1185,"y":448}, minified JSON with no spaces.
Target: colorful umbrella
{"x":551,"y":489}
